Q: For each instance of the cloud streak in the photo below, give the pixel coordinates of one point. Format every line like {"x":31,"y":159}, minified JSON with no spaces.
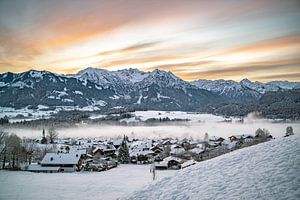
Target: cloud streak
{"x":193,"y":38}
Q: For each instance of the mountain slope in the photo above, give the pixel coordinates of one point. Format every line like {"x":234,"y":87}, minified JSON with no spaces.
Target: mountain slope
{"x":263,"y":171}
{"x":282,"y":104}
{"x":33,"y":88}
{"x":130,"y":88}
{"x":97,"y":88}
{"x":245,"y":90}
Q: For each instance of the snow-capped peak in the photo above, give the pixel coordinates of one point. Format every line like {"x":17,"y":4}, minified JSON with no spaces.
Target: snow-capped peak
{"x":245,"y":88}
{"x":131,"y":75}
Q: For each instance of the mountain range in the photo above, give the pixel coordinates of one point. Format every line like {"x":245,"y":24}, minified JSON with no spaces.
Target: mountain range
{"x":130,"y":88}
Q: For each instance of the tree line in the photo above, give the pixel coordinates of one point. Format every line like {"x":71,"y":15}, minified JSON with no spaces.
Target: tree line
{"x":16,"y":151}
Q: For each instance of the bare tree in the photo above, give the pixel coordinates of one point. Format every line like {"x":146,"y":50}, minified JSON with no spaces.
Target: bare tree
{"x":3,"y":146}
{"x":30,"y":147}
{"x":262,"y":133}
{"x":14,"y":149}
{"x":52,"y":134}
{"x":289,"y":131}
{"x":206,"y":137}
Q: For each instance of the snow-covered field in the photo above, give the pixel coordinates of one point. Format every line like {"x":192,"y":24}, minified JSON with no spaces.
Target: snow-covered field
{"x":26,"y":114}
{"x":195,"y":117}
{"x":112,"y":184}
{"x":265,"y":171}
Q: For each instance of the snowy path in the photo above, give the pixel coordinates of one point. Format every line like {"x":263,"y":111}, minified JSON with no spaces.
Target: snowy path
{"x":111,"y":184}
{"x":266,"y":171}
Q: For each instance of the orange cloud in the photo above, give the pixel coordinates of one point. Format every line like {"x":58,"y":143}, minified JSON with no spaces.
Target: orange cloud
{"x":283,"y":76}
{"x":240,"y":71}
{"x":132,"y":48}
{"x":267,"y":45}
{"x":140,"y":60}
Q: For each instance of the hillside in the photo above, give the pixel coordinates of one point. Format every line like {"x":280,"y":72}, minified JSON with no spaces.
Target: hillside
{"x":273,"y":105}
{"x":265,"y":171}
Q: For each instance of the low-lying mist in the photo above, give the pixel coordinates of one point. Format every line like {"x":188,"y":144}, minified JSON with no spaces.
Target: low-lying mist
{"x":163,"y":130}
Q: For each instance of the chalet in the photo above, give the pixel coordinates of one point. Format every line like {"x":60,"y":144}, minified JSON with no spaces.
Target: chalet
{"x":57,"y":162}
{"x":176,"y":150}
{"x":216,"y":139}
{"x":141,"y":145}
{"x":229,"y":144}
{"x":157,"y":150}
{"x":235,"y":138}
{"x":142,"y":156}
{"x":104,"y":151}
{"x":241,"y":138}
{"x":169,"y":163}
{"x":68,"y":162}
{"x":198,"y":149}
{"x":188,"y":144}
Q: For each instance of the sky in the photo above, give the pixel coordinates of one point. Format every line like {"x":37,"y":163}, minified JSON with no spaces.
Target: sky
{"x":195,"y":39}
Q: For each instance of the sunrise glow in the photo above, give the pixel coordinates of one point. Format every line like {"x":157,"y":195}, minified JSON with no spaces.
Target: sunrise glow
{"x":194,"y":39}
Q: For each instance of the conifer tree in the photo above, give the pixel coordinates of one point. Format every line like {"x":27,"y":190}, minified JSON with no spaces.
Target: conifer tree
{"x":123,"y":153}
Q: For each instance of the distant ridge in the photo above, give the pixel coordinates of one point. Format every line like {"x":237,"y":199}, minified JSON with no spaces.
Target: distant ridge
{"x":129,"y":88}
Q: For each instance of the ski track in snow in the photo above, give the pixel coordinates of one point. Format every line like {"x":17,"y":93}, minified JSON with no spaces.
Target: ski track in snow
{"x":265,"y":171}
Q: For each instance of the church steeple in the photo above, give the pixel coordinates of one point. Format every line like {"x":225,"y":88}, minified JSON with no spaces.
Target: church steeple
{"x":44,"y":140}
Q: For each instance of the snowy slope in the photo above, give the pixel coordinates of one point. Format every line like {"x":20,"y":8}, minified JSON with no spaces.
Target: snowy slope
{"x":131,"y":75}
{"x":265,"y":171}
{"x":118,"y":80}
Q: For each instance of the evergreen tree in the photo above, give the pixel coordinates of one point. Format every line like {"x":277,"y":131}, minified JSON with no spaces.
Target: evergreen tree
{"x":123,"y":153}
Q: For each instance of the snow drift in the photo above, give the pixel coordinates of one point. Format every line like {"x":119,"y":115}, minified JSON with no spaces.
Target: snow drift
{"x":265,"y":171}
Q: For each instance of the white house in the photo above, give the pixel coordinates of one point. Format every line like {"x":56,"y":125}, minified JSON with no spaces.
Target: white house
{"x":68,"y":162}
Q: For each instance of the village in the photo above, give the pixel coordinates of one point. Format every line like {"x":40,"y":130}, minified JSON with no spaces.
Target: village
{"x":51,"y":154}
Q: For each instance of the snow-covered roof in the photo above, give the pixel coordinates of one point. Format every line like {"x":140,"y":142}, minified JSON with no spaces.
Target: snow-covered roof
{"x":241,"y":136}
{"x":135,"y":153}
{"x":141,"y":144}
{"x":167,"y":159}
{"x":60,"y":158}
{"x":78,"y":151}
{"x":197,"y":150}
{"x":156,"y":147}
{"x":188,"y":163}
{"x":117,"y":141}
{"x":229,"y":144}
{"x":104,"y":147}
{"x":177,"y":151}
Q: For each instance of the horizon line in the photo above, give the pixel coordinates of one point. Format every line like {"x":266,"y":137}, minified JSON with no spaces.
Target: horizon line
{"x":148,"y":71}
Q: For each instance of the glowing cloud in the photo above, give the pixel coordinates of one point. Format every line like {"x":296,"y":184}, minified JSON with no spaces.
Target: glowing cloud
{"x":194,"y":39}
